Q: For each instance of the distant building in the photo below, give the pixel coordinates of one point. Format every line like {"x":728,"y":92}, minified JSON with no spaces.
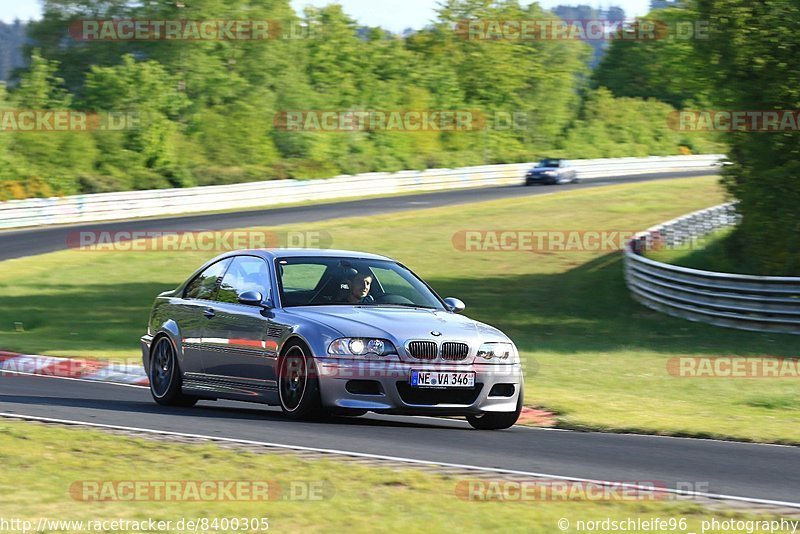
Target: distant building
{"x":13,"y":38}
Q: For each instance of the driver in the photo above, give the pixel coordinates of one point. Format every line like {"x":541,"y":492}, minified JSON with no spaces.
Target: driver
{"x":359,"y":289}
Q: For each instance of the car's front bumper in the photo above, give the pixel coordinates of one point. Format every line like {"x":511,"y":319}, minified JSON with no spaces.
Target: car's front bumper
{"x":540,"y":179}
{"x":385,"y":387}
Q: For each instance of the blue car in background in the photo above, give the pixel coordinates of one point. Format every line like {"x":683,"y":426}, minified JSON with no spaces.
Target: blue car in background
{"x":552,"y":171}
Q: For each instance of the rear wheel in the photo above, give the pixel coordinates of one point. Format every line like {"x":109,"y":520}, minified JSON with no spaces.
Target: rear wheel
{"x":165,"y":375}
{"x":298,"y":385}
{"x":497,"y":420}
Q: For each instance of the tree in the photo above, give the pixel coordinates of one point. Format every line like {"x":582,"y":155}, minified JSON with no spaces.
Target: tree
{"x":753,"y":55}
{"x":207,"y":108}
{"x":144,"y":91}
{"x":610,"y":127}
{"x":666,"y":68}
{"x":537,"y":80}
{"x":47,"y":161}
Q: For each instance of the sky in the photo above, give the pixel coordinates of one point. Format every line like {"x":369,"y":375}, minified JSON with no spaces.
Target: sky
{"x":395,"y":15}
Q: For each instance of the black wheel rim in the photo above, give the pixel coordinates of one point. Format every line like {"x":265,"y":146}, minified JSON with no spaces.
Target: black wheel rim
{"x":162,"y":367}
{"x":293,"y":379}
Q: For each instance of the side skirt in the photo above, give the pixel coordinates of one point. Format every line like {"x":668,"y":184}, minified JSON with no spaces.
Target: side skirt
{"x":232,"y":388}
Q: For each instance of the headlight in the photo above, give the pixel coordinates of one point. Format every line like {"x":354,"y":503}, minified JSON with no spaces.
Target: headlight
{"x":498,"y":352}
{"x":358,"y":346}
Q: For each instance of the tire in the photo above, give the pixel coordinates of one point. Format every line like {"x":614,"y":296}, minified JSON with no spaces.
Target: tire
{"x":576,"y":180}
{"x":165,"y":375}
{"x":298,"y":385}
{"x":497,"y":420}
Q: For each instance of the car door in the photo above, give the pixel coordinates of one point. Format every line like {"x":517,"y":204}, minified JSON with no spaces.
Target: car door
{"x":237,"y":354}
{"x":190,"y":314}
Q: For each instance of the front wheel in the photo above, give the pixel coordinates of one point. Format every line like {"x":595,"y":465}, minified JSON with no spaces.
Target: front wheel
{"x":497,"y":420}
{"x":298,"y":385}
{"x":165,"y":376}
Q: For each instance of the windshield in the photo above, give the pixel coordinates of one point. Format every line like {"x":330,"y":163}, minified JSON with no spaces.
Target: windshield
{"x":549,"y":163}
{"x":323,"y":281}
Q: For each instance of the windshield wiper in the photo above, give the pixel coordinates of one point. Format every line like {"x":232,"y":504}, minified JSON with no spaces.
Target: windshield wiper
{"x":401,"y":305}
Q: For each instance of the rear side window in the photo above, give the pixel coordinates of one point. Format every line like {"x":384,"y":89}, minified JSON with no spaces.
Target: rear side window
{"x":246,"y":273}
{"x":205,"y":283}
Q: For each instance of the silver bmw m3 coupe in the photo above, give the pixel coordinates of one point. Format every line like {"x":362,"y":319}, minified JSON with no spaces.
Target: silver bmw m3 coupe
{"x":327,"y":332}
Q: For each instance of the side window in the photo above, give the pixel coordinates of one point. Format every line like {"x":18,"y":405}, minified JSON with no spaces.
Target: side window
{"x":204,"y":284}
{"x":246,"y":273}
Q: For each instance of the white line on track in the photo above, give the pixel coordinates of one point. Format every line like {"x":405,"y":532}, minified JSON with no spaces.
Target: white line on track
{"x":354,"y":454}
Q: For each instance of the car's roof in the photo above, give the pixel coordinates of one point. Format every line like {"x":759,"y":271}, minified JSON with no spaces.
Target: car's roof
{"x":272,"y":253}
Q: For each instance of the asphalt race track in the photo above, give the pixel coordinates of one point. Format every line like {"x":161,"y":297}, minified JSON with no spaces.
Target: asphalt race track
{"x":763,"y":472}
{"x":29,"y":242}
{"x":738,"y":469}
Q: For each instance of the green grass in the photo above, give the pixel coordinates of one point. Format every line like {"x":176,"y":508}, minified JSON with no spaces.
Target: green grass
{"x":41,"y":464}
{"x":591,"y":353}
{"x":712,"y":253}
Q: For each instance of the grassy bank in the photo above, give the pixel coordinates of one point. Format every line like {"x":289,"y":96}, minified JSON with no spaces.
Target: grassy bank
{"x":592,"y":354}
{"x":712,"y":253}
{"x":47,"y":480}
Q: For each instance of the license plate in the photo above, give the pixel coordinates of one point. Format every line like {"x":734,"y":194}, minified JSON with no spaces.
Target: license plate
{"x":442,"y":379}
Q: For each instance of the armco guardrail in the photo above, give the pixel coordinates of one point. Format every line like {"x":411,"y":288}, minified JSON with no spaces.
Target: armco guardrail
{"x":165,"y":202}
{"x":761,"y":303}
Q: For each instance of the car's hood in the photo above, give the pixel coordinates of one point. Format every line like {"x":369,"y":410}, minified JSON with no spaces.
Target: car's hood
{"x":399,"y":324}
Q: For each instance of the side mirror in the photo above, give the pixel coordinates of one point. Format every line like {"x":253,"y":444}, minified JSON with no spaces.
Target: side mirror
{"x":251,"y":298}
{"x":454,"y":304}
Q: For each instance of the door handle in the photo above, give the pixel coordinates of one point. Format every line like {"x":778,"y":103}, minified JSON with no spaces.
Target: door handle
{"x":209,"y":312}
